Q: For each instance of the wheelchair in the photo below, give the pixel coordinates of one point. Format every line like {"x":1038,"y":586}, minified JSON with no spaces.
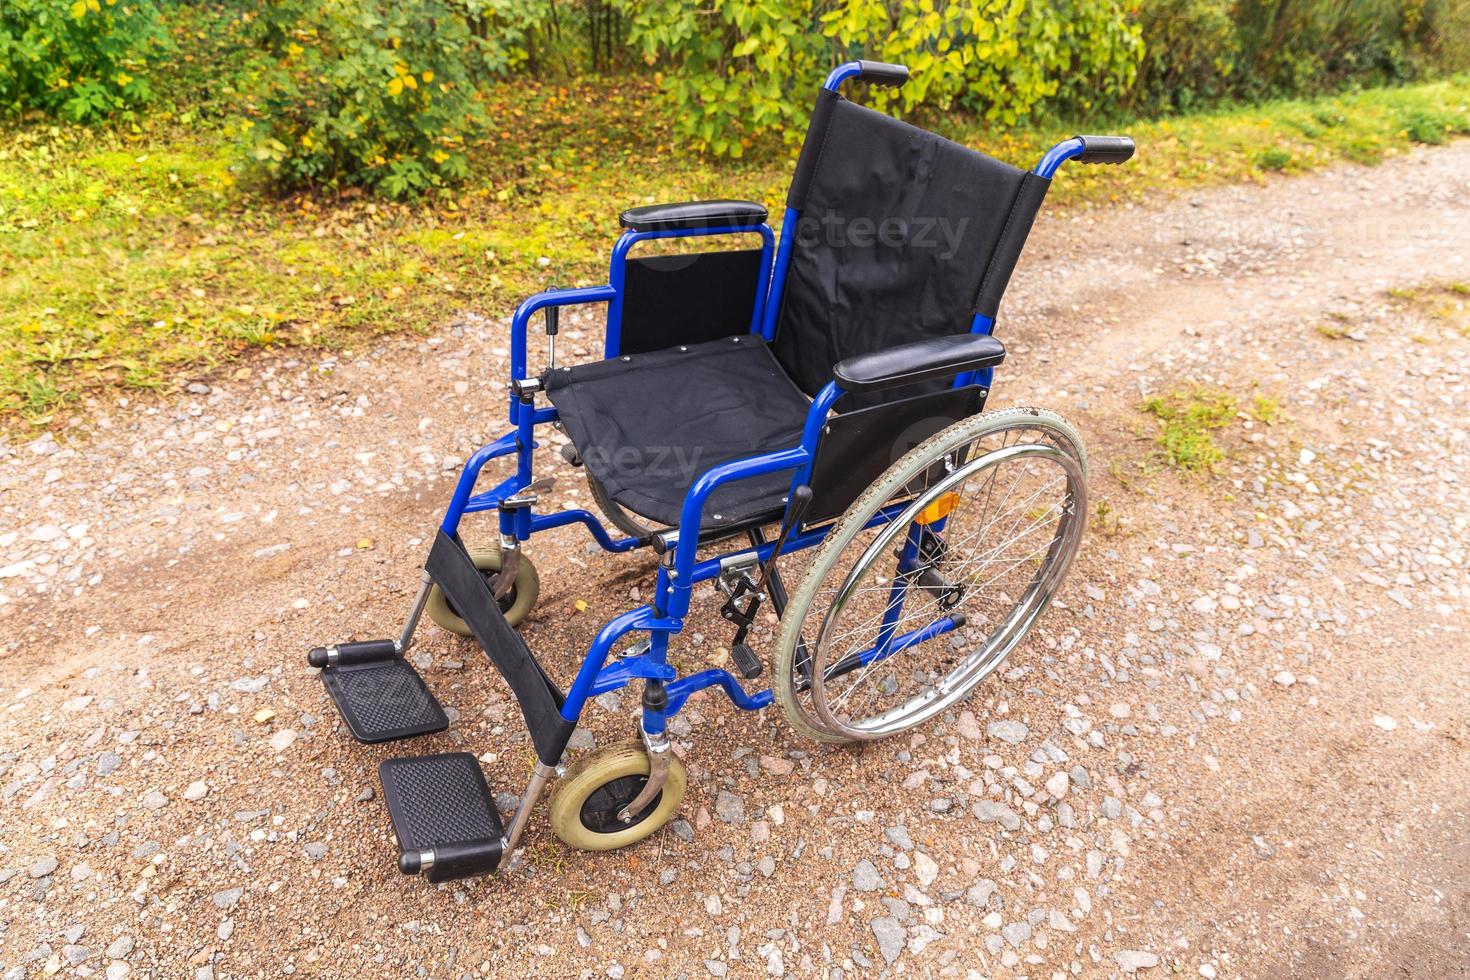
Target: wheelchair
{"x":823,"y":392}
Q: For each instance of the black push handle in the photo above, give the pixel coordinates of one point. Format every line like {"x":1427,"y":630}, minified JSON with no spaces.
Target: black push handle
{"x":883,"y":73}
{"x":1106,"y":149}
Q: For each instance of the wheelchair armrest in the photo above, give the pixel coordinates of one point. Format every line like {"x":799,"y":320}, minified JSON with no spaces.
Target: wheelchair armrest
{"x":922,"y":360}
{"x":694,"y":215}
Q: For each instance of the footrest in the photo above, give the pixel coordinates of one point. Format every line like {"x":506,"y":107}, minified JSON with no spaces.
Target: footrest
{"x":382,"y":700}
{"x":443,"y":814}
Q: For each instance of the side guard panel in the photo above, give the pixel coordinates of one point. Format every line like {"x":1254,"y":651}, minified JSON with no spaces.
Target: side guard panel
{"x":858,"y":446}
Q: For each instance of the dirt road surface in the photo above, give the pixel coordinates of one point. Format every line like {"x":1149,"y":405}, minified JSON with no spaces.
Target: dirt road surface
{"x":1257,"y":683}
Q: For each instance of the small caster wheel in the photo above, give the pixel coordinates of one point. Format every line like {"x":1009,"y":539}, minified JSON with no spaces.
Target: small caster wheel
{"x":584,"y":808}
{"x":515,"y":604}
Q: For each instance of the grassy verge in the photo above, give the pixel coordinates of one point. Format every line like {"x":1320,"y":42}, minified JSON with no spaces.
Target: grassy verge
{"x":134,"y":258}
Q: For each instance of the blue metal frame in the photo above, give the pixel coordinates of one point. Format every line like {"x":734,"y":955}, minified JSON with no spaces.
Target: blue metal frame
{"x":679,"y":573}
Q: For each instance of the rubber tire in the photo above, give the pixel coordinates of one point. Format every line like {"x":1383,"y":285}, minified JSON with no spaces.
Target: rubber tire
{"x":897,"y":475}
{"x":630,"y":523}
{"x":594,"y":770}
{"x":525,"y":591}
{"x":619,"y":516}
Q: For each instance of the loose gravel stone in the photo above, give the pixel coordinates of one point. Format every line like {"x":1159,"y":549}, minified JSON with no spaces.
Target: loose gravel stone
{"x":891,"y":937}
{"x":865,"y":877}
{"x":1133,"y":960}
{"x":1008,"y":730}
{"x":228,"y":898}
{"x":729,"y":807}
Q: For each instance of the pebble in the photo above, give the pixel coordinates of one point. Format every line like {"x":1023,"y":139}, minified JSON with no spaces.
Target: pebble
{"x":926,"y":869}
{"x":155,"y":800}
{"x":1017,"y":934}
{"x":729,"y":807}
{"x":979,"y":893}
{"x":107,"y":763}
{"x":226,"y":899}
{"x":120,"y":947}
{"x":865,"y":877}
{"x":1057,"y":785}
{"x":891,"y":937}
{"x":43,"y":866}
{"x":283,"y":739}
{"x":1008,"y":730}
{"x":1285,"y":678}
{"x":991,"y":811}
{"x":1133,"y":960}
{"x":899,"y":837}
{"x":196,"y":790}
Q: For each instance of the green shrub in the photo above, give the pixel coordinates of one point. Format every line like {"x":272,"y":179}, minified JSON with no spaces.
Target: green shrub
{"x":735,"y":69}
{"x":1205,"y":51}
{"x":1273,"y":158}
{"x":1431,"y":127}
{"x":80,"y":59}
{"x":367,"y":92}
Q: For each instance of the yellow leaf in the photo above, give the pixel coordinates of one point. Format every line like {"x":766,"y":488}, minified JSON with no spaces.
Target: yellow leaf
{"x":79,"y":9}
{"x":581,"y":605}
{"x":410,"y":81}
{"x":395,"y":87}
{"x":428,"y":76}
{"x":264,"y":715}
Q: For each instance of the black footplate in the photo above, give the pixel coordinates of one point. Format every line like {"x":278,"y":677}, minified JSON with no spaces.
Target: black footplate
{"x":443,"y":814}
{"x":382,"y":698}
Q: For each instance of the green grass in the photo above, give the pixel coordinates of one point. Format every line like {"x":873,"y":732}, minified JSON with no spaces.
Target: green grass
{"x":1446,"y":304}
{"x":134,"y":258}
{"x":1265,"y":409}
{"x":1187,"y":420}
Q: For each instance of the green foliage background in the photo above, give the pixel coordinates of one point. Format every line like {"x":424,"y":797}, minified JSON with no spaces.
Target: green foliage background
{"x":390,"y":94}
{"x":78,"y":59}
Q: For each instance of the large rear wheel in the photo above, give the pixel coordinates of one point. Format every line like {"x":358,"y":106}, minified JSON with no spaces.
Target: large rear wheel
{"x":933,"y":576}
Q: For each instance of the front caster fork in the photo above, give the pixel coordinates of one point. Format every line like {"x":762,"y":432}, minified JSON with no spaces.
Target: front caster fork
{"x":660,"y":750}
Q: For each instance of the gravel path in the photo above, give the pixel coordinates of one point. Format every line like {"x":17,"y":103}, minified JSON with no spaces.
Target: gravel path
{"x":1255,"y":685}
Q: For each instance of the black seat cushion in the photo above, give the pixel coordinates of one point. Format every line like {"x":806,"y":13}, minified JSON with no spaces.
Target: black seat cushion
{"x":648,"y":425}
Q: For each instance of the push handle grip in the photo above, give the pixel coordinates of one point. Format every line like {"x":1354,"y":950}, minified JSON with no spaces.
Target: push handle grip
{"x":1105,"y":149}
{"x":882,"y":73}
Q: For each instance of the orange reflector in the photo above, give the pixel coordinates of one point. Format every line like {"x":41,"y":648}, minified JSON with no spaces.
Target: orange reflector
{"x":939,"y":509}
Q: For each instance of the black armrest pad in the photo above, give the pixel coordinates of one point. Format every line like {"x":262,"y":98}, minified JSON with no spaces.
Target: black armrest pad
{"x":922,"y":360}
{"x":693,"y":214}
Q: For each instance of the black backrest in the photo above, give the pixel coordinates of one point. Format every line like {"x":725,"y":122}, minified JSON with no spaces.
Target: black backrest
{"x":903,"y":235}
{"x":688,"y":299}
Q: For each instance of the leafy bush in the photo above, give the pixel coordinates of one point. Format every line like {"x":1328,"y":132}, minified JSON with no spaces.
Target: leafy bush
{"x":370,"y":92}
{"x":1433,"y":128}
{"x":1206,"y":51}
{"x":1273,"y":158}
{"x":81,"y":59}
{"x":738,"y":68}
